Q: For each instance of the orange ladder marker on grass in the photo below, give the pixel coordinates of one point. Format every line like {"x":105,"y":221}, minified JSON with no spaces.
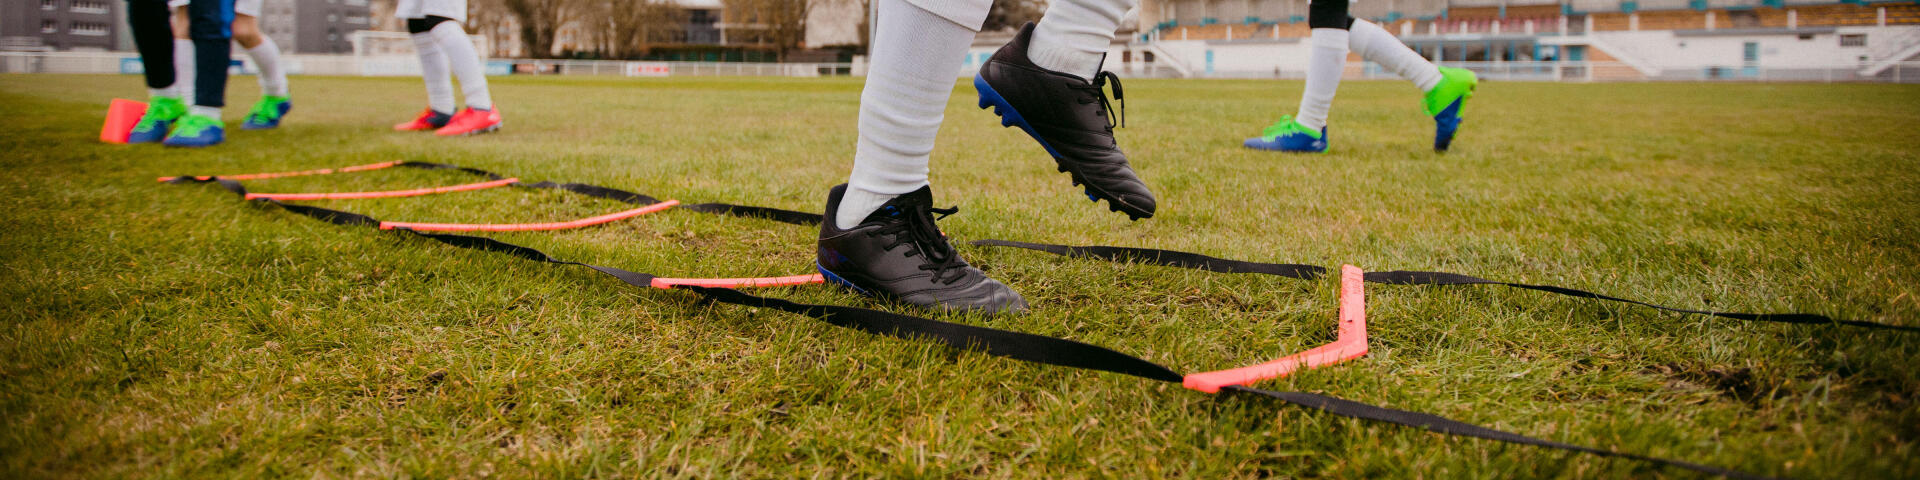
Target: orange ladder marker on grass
{"x":528,"y":227}
{"x":1350,"y":343}
{"x":386,"y":194}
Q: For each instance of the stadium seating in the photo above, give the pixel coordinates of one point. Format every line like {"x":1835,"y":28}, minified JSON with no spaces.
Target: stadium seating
{"x":1545,"y":18}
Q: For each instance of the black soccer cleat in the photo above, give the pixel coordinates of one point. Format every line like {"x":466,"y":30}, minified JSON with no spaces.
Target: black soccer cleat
{"x":898,"y":254}
{"x":1070,"y":117}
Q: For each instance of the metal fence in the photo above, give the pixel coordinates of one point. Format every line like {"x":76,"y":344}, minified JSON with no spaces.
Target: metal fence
{"x":348,"y":65}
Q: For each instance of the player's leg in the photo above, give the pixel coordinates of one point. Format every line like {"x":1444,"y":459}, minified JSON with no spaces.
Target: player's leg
{"x":433,"y":70}
{"x":153,"y":36}
{"x":185,"y":74}
{"x":1307,"y":130}
{"x":480,"y":116}
{"x":275,"y":101}
{"x":211,"y":23}
{"x":879,"y":236}
{"x":1446,"y":89}
{"x":1048,"y":82}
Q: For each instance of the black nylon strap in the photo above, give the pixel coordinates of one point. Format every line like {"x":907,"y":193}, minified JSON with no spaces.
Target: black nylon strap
{"x":1203,"y":262}
{"x":1016,"y":345}
{"x":1168,"y":258}
{"x":1067,"y":353}
{"x":775,"y":214}
{"x":1446,"y":426}
{"x":1024,"y":346}
{"x":597,"y":191}
{"x":442,"y":166}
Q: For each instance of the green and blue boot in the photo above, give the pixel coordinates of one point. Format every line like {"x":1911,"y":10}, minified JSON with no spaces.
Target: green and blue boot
{"x":267,"y":112}
{"x":1288,"y":135}
{"x":197,"y":131}
{"x":1445,"y":103}
{"x":161,"y":114}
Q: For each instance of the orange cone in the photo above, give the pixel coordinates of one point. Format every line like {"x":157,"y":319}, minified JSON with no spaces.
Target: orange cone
{"x":122,"y":115}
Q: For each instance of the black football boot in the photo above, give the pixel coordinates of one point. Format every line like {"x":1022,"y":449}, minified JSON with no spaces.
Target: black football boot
{"x":1069,"y":116}
{"x":898,"y":254}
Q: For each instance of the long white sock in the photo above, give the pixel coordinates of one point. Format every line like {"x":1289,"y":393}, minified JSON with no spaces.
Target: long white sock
{"x":1376,"y":45}
{"x":1324,"y":67}
{"x":266,"y":56}
{"x":213,"y":112}
{"x":434,"y":71}
{"x":453,"y":41}
{"x":1074,"y":35}
{"x":916,"y":57}
{"x":183,"y":69}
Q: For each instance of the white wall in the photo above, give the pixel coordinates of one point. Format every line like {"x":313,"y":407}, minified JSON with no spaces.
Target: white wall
{"x":1663,"y":49}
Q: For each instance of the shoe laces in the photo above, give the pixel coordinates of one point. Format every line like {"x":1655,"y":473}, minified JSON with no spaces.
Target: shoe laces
{"x":262,"y":111}
{"x":1097,"y":92}
{"x":1282,"y":127}
{"x":915,"y":228}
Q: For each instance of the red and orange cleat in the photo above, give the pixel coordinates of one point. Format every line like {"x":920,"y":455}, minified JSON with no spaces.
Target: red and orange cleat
{"x":471,"y":122}
{"x":429,"y":120}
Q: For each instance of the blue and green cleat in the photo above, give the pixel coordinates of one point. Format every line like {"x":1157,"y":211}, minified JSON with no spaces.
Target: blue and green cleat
{"x":267,"y":113}
{"x":161,"y":114}
{"x":1445,"y":103}
{"x":1288,"y":135}
{"x":197,"y":131}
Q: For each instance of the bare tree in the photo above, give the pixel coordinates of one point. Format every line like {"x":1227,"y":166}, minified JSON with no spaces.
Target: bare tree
{"x":630,"y":28}
{"x":778,"y":24}
{"x":540,"y":22}
{"x":1011,"y":14}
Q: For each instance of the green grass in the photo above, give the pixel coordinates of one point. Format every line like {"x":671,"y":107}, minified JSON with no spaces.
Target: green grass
{"x":172,"y":331}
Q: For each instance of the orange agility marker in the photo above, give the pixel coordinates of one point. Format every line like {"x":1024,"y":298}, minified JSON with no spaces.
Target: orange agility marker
{"x":1350,"y":344}
{"x":323,"y":171}
{"x":122,"y":115}
{"x":528,"y":227}
{"x":739,"y":282}
{"x":386,"y":194}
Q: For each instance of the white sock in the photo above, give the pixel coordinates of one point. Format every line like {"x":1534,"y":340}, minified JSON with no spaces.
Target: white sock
{"x":1324,"y":67}
{"x":453,"y":41}
{"x":434,"y":70}
{"x":1376,"y":45}
{"x":916,"y":58}
{"x":1074,"y":35}
{"x":266,"y":56}
{"x":160,"y":92}
{"x":213,"y":112}
{"x":183,"y":70}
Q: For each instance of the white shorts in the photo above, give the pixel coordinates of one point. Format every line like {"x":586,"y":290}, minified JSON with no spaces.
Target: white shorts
{"x":249,"y":8}
{"x":454,"y":9}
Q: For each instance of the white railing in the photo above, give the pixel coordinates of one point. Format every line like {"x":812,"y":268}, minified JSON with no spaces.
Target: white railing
{"x":350,"y":65}
{"x":347,"y":65}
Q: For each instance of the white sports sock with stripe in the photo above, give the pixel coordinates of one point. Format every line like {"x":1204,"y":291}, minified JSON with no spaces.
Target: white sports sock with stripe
{"x":916,"y":59}
{"x":1324,"y":67}
{"x":1074,"y":35}
{"x":266,"y":57}
{"x":1376,"y":45}
{"x":465,"y":61}
{"x":183,"y":70}
{"x":434,"y":70}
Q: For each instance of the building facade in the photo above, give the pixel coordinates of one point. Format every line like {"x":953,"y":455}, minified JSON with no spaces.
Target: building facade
{"x":61,"y":24}
{"x":315,"y":26}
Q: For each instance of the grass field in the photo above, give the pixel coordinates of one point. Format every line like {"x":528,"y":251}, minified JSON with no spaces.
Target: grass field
{"x":172,"y":331}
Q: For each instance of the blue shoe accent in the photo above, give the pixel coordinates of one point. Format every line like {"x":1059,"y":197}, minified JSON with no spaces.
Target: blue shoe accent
{"x":1444,"y":126}
{"x":156,"y":134}
{"x":254,"y":122}
{"x":1008,"y":116}
{"x":842,"y":282}
{"x":206,"y":137}
{"x":1091,"y":196}
{"x":1291,"y":142}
